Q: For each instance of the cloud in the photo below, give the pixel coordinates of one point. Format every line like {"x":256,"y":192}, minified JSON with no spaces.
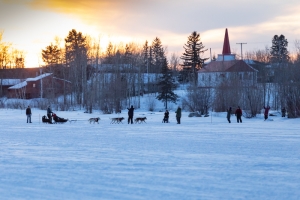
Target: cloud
{"x":253,"y":22}
{"x":144,"y":16}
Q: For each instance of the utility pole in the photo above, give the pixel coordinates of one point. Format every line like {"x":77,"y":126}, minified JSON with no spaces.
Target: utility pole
{"x":241,"y":49}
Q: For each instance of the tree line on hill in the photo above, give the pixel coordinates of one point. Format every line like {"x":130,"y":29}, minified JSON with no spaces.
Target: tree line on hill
{"x":112,"y":79}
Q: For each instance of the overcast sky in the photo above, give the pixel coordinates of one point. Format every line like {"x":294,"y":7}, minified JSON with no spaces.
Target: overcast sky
{"x":31,"y":25}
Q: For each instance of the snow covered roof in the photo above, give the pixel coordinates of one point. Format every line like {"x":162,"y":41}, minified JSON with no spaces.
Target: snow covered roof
{"x":8,"y":82}
{"x":249,"y":62}
{"x":61,"y":79}
{"x":38,"y":77}
{"x":24,"y":83}
{"x":227,"y":66}
{"x":19,"y":85}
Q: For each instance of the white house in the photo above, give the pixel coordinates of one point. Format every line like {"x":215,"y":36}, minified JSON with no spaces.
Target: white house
{"x":226,"y":68}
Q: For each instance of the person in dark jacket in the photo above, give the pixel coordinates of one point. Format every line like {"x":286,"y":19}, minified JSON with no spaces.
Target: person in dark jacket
{"x":49,"y":114}
{"x":229,"y":110}
{"x":266,"y":112}
{"x":238,"y":114}
{"x":283,"y":111}
{"x":130,"y":114}
{"x":178,"y":114}
{"x":28,"y":114}
{"x":166,"y":117}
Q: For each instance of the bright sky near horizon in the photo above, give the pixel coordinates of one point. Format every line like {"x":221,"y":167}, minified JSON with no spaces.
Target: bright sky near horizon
{"x":31,"y":25}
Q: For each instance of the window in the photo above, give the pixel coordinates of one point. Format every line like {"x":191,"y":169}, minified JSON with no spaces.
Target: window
{"x":33,"y":85}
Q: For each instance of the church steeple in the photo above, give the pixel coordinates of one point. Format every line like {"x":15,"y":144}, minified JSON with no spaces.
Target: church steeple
{"x":226,"y":53}
{"x":226,"y":45}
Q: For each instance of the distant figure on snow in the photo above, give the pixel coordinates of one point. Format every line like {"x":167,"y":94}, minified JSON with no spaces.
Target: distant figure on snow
{"x":28,"y":114}
{"x":229,"y":110}
{"x":238,"y":114}
{"x":49,"y":114}
{"x":178,"y":114}
{"x":266,"y":112}
{"x":130,"y":114}
{"x":283,"y":111}
{"x":166,"y":117}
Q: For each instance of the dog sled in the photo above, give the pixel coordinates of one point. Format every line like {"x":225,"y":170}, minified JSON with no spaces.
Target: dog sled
{"x":46,"y":120}
{"x":58,"y":120}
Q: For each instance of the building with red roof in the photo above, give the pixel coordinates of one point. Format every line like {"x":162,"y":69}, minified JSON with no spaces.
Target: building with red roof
{"x":226,"y":68}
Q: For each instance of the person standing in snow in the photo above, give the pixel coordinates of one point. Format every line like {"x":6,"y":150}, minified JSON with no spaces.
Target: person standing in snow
{"x":166,"y":117}
{"x":229,"y":114}
{"x":238,"y":114}
{"x":49,"y":114}
{"x":178,"y":114}
{"x":130,"y":114}
{"x":266,"y":112}
{"x":28,"y":114}
{"x":283,"y":111}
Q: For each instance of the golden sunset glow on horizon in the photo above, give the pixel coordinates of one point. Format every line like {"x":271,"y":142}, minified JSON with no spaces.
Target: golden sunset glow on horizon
{"x":38,"y":22}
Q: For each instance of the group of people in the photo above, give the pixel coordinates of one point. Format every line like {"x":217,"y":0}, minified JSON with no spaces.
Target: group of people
{"x":178,"y":115}
{"x":166,"y":115}
{"x":238,"y":114}
{"x":28,"y":114}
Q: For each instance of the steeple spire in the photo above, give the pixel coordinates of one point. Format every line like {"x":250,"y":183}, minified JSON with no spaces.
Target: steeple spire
{"x":226,"y":45}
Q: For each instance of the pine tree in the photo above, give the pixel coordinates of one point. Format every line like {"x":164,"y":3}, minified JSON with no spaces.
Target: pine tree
{"x":128,"y":55}
{"x":51,"y":54}
{"x":76,"y":58}
{"x":157,"y":55}
{"x":167,"y":85}
{"x":279,"y":52}
{"x":192,"y":60}
{"x":145,"y":55}
{"x":110,"y":53}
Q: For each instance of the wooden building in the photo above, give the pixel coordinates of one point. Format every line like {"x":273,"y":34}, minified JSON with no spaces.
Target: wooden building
{"x":42,"y":86}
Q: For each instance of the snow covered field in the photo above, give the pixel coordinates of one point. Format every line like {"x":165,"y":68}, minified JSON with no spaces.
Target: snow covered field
{"x":202,"y":158}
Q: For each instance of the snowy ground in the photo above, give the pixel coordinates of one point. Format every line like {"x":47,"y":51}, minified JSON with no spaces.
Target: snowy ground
{"x":202,"y":158}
